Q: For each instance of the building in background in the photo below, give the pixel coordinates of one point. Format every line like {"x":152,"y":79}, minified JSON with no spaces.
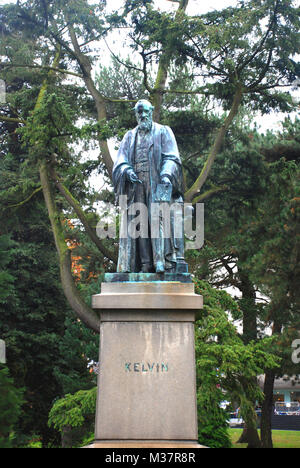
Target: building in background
{"x":286,"y":388}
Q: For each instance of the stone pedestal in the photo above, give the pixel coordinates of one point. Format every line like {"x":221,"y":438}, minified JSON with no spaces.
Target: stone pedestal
{"x":146,"y":386}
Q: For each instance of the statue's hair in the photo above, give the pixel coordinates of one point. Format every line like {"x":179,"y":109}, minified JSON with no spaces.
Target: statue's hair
{"x":145,"y":102}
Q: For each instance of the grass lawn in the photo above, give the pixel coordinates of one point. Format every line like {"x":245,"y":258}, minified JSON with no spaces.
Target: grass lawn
{"x":281,"y":439}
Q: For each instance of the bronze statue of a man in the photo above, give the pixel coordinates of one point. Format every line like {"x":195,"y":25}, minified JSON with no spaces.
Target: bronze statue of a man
{"x":147,"y":160}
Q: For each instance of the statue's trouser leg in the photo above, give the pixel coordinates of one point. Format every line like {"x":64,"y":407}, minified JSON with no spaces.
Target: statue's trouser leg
{"x":155,"y":230}
{"x":144,"y":247}
{"x":144,"y":243}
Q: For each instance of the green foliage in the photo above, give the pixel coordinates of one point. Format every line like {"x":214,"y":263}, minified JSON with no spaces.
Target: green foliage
{"x":212,"y":419}
{"x":11,"y":400}
{"x":47,"y":125}
{"x":74,"y":412}
{"x":6,"y":279}
{"x":85,"y":16}
{"x":252,"y":244}
{"x":77,"y":346}
{"x":240,"y":44}
{"x":276,"y":264}
{"x":226,"y":366}
{"x":33,"y":308}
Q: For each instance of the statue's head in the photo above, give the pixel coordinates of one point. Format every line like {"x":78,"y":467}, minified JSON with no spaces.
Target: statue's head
{"x":143,"y":112}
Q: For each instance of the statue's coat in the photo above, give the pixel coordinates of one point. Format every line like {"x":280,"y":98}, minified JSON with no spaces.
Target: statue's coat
{"x":164,"y":159}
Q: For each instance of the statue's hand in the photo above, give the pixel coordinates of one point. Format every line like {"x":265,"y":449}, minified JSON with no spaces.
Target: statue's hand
{"x":165,"y":180}
{"x":133,"y":177}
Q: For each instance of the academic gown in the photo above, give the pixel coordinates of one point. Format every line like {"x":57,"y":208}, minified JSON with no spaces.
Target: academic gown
{"x":164,"y":159}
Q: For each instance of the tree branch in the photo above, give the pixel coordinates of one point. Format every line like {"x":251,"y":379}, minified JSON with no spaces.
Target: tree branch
{"x":99,"y":100}
{"x":196,"y":187}
{"x":3,"y":118}
{"x":219,"y":71}
{"x":130,"y":67}
{"x":202,"y":90}
{"x":263,"y":71}
{"x":209,"y":193}
{"x":26,"y":199}
{"x":260,"y":46}
{"x":81,"y":215}
{"x":42,"y":67}
{"x":163,"y":66}
{"x":145,"y":73}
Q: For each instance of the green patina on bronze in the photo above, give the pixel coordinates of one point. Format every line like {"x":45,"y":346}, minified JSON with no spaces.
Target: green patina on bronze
{"x":148,"y":169}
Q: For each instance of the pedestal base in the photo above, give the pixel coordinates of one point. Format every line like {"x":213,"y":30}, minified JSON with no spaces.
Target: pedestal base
{"x":147,"y":381}
{"x":145,"y":444}
{"x":181,"y":277}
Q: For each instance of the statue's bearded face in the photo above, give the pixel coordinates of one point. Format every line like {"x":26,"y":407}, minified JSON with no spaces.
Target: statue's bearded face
{"x":144,"y":117}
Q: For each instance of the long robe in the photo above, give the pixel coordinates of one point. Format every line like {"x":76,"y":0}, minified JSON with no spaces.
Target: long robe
{"x":164,"y":159}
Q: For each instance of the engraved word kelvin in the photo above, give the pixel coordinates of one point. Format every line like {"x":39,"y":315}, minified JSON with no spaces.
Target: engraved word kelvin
{"x":146,"y":367}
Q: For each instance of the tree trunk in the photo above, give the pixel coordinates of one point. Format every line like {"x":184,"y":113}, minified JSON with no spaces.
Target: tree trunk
{"x":248,"y":306}
{"x":267,"y":406}
{"x":267,"y":410}
{"x":85,"y":313}
{"x":157,"y":92}
{"x":250,"y":433}
{"x":250,"y":436}
{"x":66,"y":437}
